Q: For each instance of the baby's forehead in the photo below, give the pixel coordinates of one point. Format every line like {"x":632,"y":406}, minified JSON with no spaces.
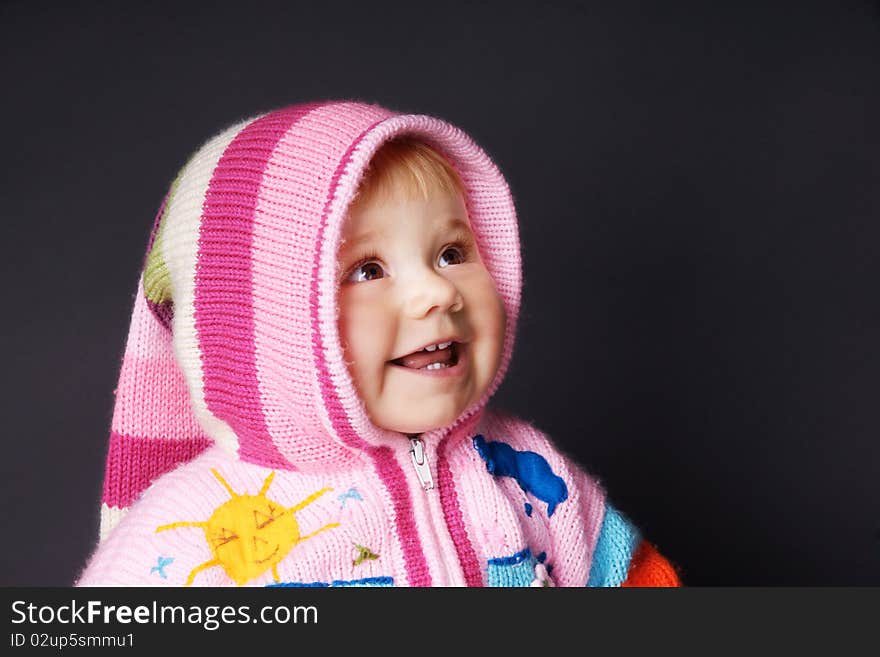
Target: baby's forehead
{"x":399,"y":211}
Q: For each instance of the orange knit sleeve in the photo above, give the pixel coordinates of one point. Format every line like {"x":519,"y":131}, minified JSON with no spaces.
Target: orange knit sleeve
{"x":650,"y":568}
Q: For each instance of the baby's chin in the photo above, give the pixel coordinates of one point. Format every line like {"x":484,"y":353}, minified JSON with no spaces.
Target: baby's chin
{"x":416,"y":423}
{"x":412,"y":428}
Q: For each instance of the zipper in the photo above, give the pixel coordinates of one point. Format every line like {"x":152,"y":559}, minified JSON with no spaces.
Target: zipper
{"x":420,"y":463}
{"x":422,"y":466}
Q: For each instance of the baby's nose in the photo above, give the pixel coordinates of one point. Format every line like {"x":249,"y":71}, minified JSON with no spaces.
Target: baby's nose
{"x":432,"y":292}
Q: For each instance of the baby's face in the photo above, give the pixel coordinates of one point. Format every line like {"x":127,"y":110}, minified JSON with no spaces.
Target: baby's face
{"x":412,"y":278}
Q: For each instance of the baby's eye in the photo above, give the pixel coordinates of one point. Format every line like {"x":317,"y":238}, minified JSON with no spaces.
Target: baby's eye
{"x":452,"y":255}
{"x":369,"y":271}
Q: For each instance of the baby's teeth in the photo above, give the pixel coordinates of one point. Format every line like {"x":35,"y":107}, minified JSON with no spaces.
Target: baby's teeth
{"x":435,"y":366}
{"x":435,"y":347}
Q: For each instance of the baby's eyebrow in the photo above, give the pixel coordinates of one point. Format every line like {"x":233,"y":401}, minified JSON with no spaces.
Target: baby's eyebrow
{"x":458,"y":224}
{"x":451,"y":225}
{"x":369,"y":236}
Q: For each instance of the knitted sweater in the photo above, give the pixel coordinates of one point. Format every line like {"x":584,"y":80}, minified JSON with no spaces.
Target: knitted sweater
{"x":240,"y":453}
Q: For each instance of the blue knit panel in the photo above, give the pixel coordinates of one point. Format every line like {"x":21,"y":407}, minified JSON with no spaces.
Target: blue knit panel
{"x":515,"y":570}
{"x":618,"y":539}
{"x":367,"y":581}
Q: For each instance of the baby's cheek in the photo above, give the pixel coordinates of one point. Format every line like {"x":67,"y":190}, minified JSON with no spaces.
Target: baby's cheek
{"x":493,"y":316}
{"x":350,"y":317}
{"x":490,"y":319}
{"x":365,"y":331}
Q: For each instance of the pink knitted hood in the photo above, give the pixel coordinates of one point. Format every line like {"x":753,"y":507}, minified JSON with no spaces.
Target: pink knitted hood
{"x":234,"y":332}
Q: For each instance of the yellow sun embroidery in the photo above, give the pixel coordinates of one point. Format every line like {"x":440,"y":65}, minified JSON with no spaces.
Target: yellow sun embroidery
{"x":249,"y":534}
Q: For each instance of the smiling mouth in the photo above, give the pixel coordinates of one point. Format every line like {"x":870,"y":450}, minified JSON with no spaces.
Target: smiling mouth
{"x":437,"y":359}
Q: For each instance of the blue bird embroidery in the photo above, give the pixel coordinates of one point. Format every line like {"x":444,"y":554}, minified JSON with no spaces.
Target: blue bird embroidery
{"x":530,"y":470}
{"x":163,"y":561}
{"x":350,"y":494}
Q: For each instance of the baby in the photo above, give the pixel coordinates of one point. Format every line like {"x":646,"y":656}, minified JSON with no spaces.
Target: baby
{"x":328,"y":302}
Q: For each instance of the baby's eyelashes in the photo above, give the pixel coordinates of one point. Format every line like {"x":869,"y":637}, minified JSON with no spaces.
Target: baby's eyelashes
{"x":369,"y":271}
{"x":454,"y":255}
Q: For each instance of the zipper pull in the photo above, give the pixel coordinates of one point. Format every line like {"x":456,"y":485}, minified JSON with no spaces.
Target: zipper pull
{"x":420,"y":463}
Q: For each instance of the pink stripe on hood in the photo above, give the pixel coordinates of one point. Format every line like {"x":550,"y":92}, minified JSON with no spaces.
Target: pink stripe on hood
{"x":223,"y":295}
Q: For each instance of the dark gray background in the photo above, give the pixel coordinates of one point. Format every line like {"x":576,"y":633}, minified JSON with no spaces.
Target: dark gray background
{"x":699,"y":194}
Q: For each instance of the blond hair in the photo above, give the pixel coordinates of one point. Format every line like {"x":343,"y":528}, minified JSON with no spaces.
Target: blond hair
{"x":407,"y":165}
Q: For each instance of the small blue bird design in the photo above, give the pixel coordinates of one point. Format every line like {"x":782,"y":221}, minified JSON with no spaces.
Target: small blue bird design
{"x":160,"y":568}
{"x":350,"y":494}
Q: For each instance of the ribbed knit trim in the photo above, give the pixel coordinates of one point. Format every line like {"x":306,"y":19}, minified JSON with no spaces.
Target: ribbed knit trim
{"x":452,"y":512}
{"x":417,"y":571}
{"x":337,"y":414}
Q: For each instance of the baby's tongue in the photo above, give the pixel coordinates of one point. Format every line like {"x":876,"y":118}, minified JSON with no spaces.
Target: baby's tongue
{"x":421,"y":359}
